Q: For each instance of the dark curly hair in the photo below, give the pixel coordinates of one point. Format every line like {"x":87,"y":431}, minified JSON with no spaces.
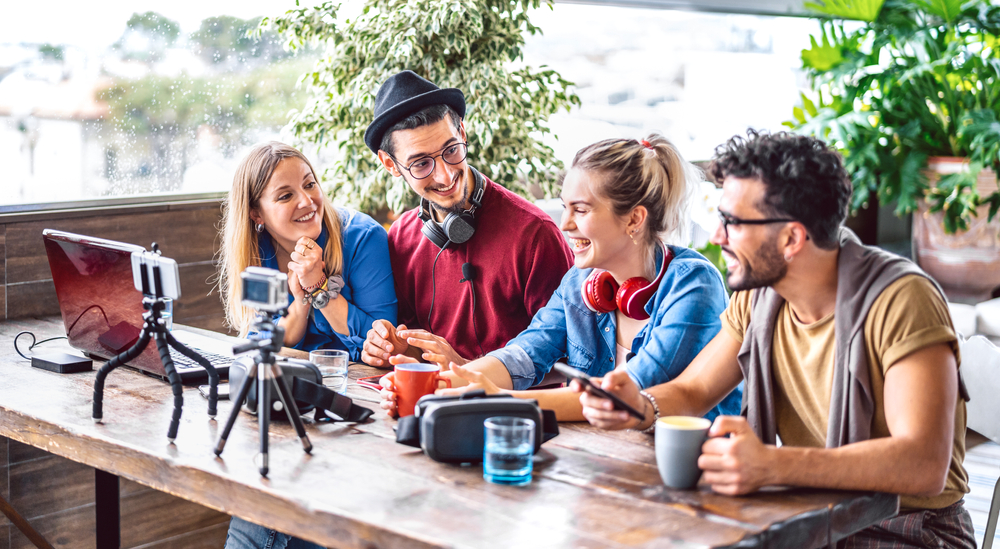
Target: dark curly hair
{"x":803,"y":179}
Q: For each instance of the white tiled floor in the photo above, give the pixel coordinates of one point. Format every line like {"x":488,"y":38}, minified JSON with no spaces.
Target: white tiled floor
{"x":982,"y":461}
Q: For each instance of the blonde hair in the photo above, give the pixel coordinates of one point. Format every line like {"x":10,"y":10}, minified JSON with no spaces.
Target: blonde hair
{"x":239,"y":248}
{"x":654,"y":176}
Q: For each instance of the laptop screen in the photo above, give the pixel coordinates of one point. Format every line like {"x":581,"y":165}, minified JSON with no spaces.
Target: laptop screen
{"x":100,"y":307}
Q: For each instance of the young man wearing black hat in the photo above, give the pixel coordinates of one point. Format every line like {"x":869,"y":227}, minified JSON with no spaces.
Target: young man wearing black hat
{"x":474,"y":262}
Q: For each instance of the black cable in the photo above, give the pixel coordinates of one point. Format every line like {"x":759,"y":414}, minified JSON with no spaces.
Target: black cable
{"x":33,"y":342}
{"x":475,"y":329}
{"x":106,"y":321}
{"x":434,"y":287}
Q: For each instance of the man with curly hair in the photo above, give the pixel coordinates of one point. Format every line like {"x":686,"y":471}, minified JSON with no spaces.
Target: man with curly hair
{"x":848,"y":352}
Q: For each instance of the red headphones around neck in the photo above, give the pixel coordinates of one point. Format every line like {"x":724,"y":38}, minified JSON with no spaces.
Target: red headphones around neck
{"x":601,"y":293}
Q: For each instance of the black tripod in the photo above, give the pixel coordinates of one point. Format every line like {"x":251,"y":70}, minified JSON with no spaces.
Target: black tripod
{"x":154,"y":327}
{"x":265,"y":370}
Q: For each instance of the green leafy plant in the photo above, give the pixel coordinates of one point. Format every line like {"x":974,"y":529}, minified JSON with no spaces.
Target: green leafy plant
{"x":472,"y":45}
{"x":910,"y":80}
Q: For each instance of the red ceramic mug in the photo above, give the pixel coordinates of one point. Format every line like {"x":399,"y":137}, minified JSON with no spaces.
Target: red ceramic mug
{"x":413,"y":381}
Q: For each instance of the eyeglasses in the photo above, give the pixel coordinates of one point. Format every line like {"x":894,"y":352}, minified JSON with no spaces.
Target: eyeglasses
{"x":423,"y":167}
{"x":728,"y":220}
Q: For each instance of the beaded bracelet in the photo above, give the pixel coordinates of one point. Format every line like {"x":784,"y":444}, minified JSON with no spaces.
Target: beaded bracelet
{"x":656,"y":412}
{"x":321,"y":283}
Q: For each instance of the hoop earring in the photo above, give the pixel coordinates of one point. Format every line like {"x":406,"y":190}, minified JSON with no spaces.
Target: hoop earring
{"x":259,"y":228}
{"x":788,"y":259}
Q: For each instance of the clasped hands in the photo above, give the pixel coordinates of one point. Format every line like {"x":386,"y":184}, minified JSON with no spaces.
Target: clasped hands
{"x":386,"y":346}
{"x":734,"y":461}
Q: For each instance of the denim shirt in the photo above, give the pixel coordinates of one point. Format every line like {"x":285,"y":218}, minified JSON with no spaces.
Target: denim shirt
{"x":368,"y":286}
{"x":684,"y":316}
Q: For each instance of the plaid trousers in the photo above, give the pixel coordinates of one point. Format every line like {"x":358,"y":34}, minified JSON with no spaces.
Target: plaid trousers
{"x":948,"y":527}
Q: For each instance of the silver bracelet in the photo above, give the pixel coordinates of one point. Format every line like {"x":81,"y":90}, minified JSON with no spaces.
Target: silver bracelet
{"x":656,"y":412}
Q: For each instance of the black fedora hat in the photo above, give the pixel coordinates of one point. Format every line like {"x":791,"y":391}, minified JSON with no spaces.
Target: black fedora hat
{"x":403,"y":94}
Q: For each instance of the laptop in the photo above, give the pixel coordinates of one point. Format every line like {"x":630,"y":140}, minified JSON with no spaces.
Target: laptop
{"x":102,"y":310}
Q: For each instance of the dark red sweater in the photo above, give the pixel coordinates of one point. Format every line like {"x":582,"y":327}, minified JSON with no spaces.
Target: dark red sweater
{"x":519,"y":257}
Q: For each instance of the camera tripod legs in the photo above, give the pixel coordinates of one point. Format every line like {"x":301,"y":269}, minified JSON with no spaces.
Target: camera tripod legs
{"x":153,"y":330}
{"x":267,"y":375}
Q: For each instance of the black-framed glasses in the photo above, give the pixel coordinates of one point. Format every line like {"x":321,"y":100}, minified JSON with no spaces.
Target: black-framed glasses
{"x":728,"y":220}
{"x":423,"y":167}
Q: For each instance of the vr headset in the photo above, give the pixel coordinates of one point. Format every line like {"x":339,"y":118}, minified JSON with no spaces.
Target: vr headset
{"x":305,"y":381}
{"x":450,"y":429}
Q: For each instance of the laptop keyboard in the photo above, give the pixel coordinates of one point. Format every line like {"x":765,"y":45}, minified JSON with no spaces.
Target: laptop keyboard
{"x":183,"y":363}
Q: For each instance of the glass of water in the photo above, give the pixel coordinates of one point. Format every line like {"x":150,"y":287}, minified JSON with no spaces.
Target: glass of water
{"x":332,"y":363}
{"x":510,"y":443}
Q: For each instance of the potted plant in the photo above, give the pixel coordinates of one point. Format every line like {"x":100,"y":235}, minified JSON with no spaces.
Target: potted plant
{"x":909,"y":92}
{"x":472,"y":45}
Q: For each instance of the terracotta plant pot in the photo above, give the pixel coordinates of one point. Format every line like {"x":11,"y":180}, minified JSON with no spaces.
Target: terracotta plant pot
{"x":967,"y":263}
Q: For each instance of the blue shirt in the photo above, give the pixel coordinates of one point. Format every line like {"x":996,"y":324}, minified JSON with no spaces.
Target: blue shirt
{"x":684,"y":316}
{"x":368,"y":286}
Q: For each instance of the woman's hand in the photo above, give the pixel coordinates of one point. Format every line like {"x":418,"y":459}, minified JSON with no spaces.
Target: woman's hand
{"x":388,"y":394}
{"x":295,"y":287}
{"x":475,"y":380}
{"x":436,"y":349}
{"x":601,"y":412}
{"x":307,"y":263}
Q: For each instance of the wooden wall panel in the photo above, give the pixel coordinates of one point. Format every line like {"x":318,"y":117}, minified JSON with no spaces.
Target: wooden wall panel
{"x":213,"y":323}
{"x":197,"y":295}
{"x":3,"y":254}
{"x":66,"y":529}
{"x":149,"y":518}
{"x":56,"y":496}
{"x":152,"y":516}
{"x":187,"y":233}
{"x":3,"y":271}
{"x":40,"y":486}
{"x":184,"y":235}
{"x":213,"y":537}
{"x":18,"y":452}
{"x":4,"y":488}
{"x":32,"y":299}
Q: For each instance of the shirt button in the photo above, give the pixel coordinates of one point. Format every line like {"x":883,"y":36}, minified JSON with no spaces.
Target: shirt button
{"x":607,"y":329}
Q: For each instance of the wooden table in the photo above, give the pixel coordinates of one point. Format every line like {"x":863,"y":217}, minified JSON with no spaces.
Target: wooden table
{"x":360,"y":489}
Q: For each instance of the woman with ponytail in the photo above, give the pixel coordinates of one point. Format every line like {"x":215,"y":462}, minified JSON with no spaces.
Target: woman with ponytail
{"x":337,"y":260}
{"x":631,"y":300}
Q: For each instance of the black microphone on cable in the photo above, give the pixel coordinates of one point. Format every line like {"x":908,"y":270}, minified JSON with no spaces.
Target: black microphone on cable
{"x":468,"y":272}
{"x":468,"y":275}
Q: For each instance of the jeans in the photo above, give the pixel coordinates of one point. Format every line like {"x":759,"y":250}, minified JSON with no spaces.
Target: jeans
{"x":247,"y":535}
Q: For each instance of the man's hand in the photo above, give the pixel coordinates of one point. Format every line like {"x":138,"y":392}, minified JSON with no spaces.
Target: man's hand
{"x":738,"y":464}
{"x":436,"y":349}
{"x":601,"y":412}
{"x":383,"y":341}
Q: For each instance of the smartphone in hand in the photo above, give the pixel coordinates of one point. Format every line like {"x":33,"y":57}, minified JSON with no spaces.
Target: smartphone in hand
{"x":595,"y":389}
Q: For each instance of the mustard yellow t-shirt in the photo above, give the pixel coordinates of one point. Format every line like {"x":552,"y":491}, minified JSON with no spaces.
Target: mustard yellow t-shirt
{"x":909,"y":315}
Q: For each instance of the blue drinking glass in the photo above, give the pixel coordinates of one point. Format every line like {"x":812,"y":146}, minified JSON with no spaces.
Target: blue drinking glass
{"x":510,"y":443}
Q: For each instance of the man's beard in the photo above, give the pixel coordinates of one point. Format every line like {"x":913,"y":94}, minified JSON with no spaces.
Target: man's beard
{"x":771,"y":268}
{"x":456,"y":208}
